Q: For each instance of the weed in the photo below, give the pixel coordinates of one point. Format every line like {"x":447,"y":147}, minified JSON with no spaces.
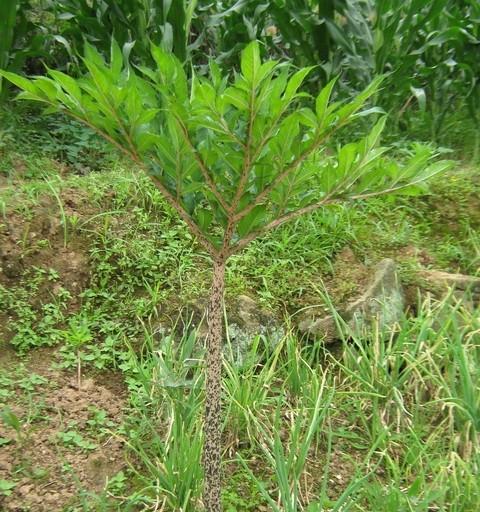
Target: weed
{"x":77,"y":336}
{"x":32,"y":325}
{"x":6,"y":487}
{"x":73,"y":439}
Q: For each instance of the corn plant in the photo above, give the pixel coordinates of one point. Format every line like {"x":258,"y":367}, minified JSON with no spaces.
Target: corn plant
{"x":134,"y":23}
{"x":234,"y":160}
{"x":7,"y":24}
{"x":20,"y":38}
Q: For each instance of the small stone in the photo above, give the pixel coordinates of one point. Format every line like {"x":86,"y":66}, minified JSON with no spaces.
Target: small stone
{"x":382,"y":301}
{"x":464,"y":288}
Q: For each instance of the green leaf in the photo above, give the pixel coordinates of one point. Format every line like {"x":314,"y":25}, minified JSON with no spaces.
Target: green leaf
{"x":370,"y":111}
{"x":420,"y":96}
{"x":21,"y":82}
{"x":67,"y":83}
{"x":204,"y":217}
{"x":171,"y":72}
{"x":252,"y":220}
{"x":236,"y":97}
{"x":92,"y":56}
{"x":374,"y":136}
{"x":266,"y":69}
{"x":6,"y":487}
{"x":10,"y":419}
{"x":116,"y":59}
{"x":321,"y":103}
{"x":295,"y":82}
{"x":250,"y":62}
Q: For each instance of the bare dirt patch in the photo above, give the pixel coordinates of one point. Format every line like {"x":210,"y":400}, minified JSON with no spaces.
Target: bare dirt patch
{"x":34,"y":238}
{"x":67,"y":442}
{"x":37,"y":238}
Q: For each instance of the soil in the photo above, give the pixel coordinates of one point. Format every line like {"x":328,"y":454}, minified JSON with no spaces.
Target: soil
{"x":36,"y":240}
{"x":49,"y":473}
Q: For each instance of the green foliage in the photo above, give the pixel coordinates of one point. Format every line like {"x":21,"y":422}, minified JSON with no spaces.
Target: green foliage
{"x":58,"y":137}
{"x":391,"y":412}
{"x":20,"y":379}
{"x":75,"y":144}
{"x":10,"y":419}
{"x":78,"y":333}
{"x":166,"y":383}
{"x":23,"y":38}
{"x":73,"y":439}
{"x":7,"y":25}
{"x":429,"y":49}
{"x":6,"y":487}
{"x":289,"y":456}
{"x":32,"y":325}
{"x":236,"y":160}
{"x":135,"y":24}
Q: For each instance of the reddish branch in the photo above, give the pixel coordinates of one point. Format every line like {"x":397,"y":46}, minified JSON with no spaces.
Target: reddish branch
{"x":202,"y":165}
{"x":284,"y":174}
{"x":171,"y":200}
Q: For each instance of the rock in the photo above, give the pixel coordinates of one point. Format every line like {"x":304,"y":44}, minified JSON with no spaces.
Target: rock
{"x":464,"y":288}
{"x":245,"y":321}
{"x":11,"y":263}
{"x":50,"y":225}
{"x":324,"y":327}
{"x":382,"y":302}
{"x":438,"y":280}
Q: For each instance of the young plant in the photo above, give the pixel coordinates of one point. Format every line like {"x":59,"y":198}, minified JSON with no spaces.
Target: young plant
{"x":234,"y":160}
{"x":78,"y":335}
{"x":10,"y":419}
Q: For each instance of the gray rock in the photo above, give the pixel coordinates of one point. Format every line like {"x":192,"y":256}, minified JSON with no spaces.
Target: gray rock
{"x":11,"y":263}
{"x":324,"y":327}
{"x":246,"y":321}
{"x":382,"y":302}
{"x":463,"y":288}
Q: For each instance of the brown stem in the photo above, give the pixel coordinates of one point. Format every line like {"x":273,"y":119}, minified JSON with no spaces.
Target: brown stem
{"x":79,"y":370}
{"x":203,"y":167}
{"x":213,"y":390}
{"x":280,"y":177}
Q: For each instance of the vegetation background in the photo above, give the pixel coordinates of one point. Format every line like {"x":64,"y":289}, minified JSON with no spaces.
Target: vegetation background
{"x":387,"y":422}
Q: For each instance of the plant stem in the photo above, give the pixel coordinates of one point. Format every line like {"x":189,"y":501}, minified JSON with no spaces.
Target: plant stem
{"x":79,"y":370}
{"x":212,"y":429}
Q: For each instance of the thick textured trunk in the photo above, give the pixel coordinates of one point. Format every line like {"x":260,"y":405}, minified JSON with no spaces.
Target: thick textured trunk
{"x":212,"y":431}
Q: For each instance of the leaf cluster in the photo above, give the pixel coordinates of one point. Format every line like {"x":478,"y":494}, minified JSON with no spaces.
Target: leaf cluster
{"x":234,"y":158}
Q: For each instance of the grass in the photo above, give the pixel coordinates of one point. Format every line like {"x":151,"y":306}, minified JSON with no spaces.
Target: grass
{"x":386,"y":424}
